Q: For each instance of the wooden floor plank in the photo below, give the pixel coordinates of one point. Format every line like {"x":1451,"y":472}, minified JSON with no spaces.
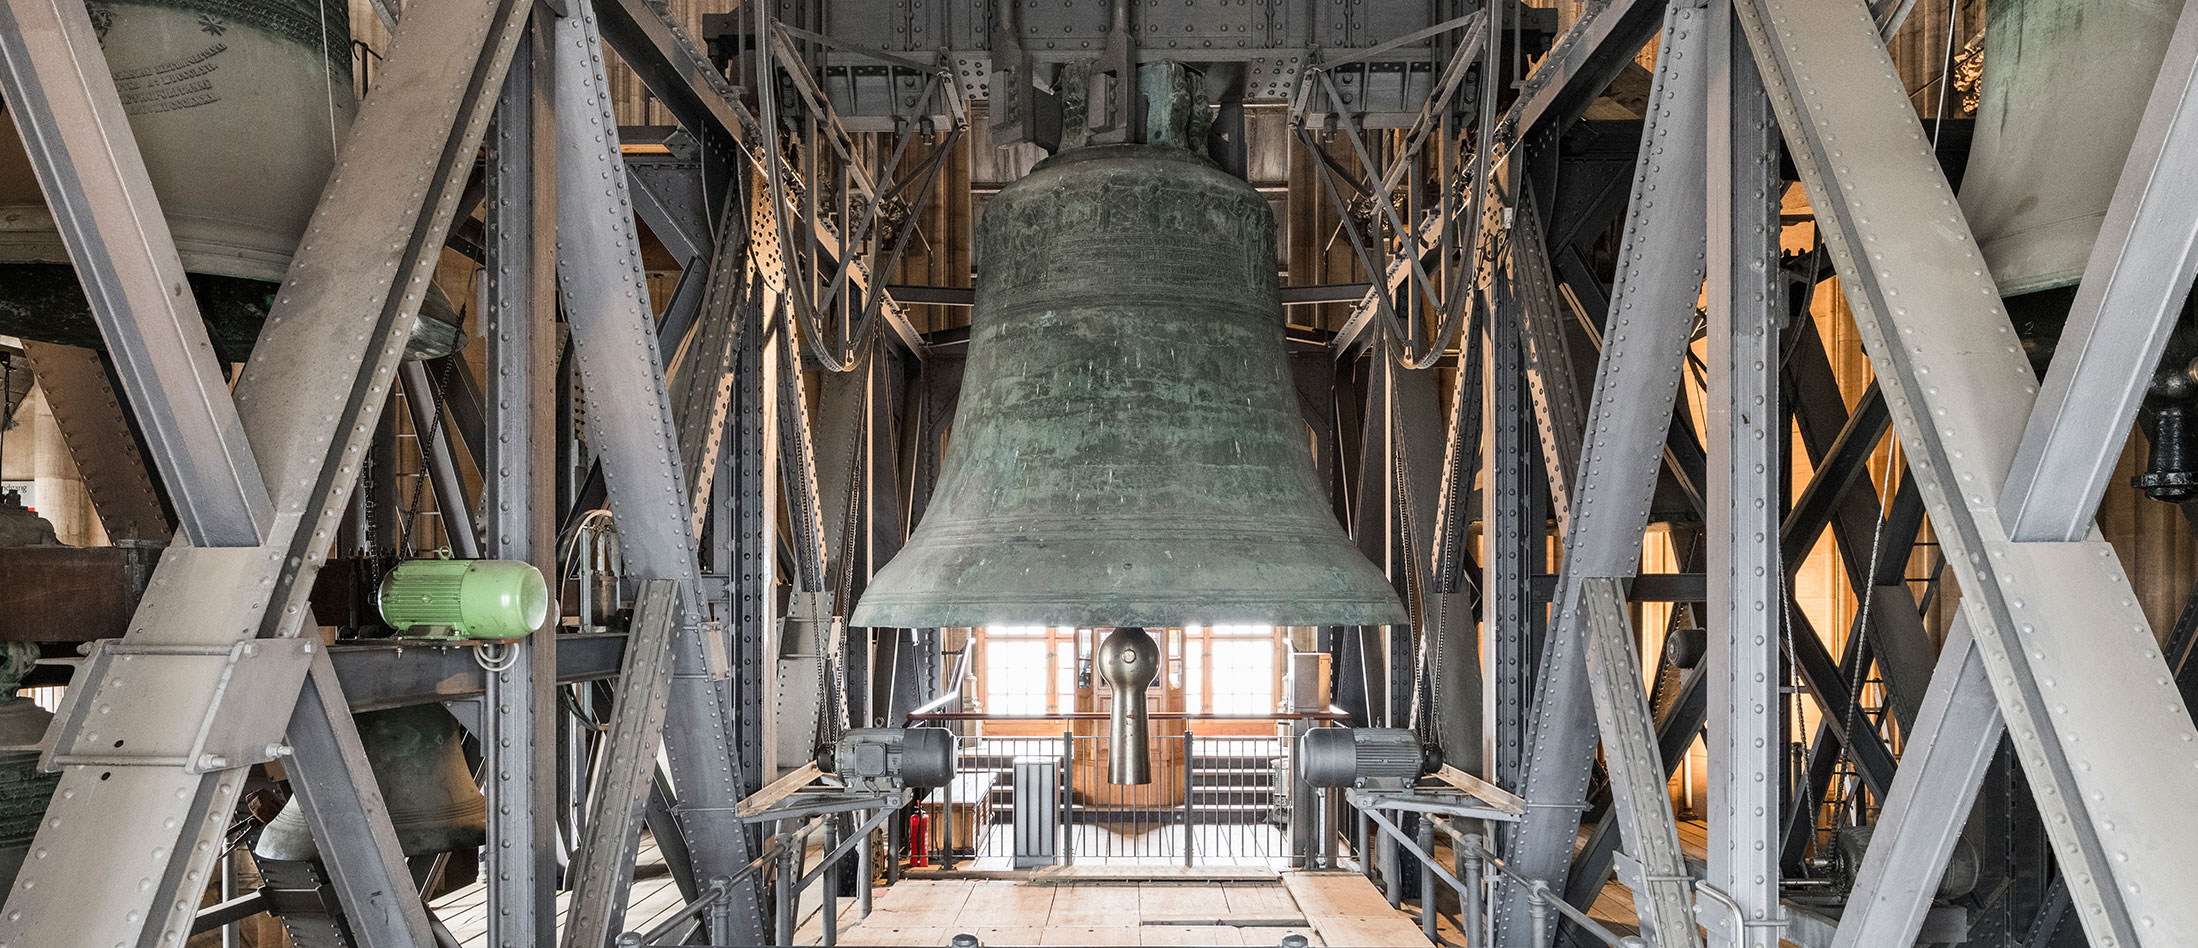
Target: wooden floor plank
{"x":1071,"y":935}
{"x":1259,"y":900}
{"x":1095,"y":906}
{"x":1161,"y":898}
{"x":923,"y":904}
{"x":1369,"y":931}
{"x":886,"y":935}
{"x":1197,"y":935}
{"x":1008,"y":905}
{"x":1336,"y":893}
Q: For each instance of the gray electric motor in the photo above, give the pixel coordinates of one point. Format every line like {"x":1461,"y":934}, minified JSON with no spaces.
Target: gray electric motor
{"x":1363,"y":757}
{"x":891,"y":758}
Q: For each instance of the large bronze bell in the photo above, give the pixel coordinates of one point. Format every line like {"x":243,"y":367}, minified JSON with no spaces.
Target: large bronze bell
{"x":237,"y":110}
{"x":1128,"y":449}
{"x":419,"y":765}
{"x":2065,"y":83}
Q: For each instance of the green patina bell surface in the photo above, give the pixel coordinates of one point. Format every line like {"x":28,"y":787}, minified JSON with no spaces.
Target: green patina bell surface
{"x":418,"y":759}
{"x":1128,"y":449}
{"x":24,"y":789}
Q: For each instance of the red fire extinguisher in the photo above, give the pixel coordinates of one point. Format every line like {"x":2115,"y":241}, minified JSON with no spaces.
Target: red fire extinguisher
{"x":919,"y":839}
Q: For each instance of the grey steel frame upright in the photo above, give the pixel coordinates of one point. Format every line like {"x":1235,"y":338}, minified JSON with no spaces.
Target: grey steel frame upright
{"x":1745,"y":429}
{"x":518,"y":471}
{"x":615,"y":347}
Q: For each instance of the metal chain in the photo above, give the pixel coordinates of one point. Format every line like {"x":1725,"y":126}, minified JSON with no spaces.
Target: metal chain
{"x":1869,"y":595}
{"x":421,"y":441}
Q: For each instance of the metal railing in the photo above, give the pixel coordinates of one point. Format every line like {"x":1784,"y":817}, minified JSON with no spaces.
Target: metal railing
{"x":1215,"y":799}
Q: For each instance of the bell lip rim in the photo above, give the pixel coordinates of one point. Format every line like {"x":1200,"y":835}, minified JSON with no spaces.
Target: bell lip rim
{"x":997,"y":613}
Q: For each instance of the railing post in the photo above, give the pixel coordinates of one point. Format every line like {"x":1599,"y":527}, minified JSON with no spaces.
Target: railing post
{"x":789,"y":881}
{"x":1392,"y":867}
{"x":828,"y":883}
{"x":1537,"y":900}
{"x":1469,"y":901}
{"x":944,"y":845}
{"x":1068,"y":797}
{"x":1190,"y":786}
{"x":863,"y":870}
{"x":719,"y":923}
{"x":896,"y":829}
{"x":1427,"y":880}
{"x":1358,"y":844}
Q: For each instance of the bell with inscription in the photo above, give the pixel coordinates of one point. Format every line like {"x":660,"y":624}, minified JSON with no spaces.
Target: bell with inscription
{"x":1128,"y":449}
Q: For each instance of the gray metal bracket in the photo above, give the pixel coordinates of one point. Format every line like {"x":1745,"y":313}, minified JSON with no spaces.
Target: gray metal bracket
{"x":199,"y":707}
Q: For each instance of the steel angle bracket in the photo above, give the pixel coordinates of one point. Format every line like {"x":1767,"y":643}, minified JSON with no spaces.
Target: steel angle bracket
{"x":1438,"y":801}
{"x":203,"y":708}
{"x":825,"y":801}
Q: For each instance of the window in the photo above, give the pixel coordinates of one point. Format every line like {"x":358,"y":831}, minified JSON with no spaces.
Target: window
{"x":1035,"y":670}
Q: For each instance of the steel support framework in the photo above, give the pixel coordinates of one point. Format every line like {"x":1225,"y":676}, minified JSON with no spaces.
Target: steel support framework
{"x":1745,"y":428}
{"x":2101,"y":731}
{"x":518,"y":470}
{"x":143,"y":837}
{"x":615,"y":348}
{"x":1651,"y":318}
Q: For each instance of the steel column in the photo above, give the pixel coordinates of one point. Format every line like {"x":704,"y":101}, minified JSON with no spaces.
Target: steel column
{"x":603,"y":866}
{"x":1953,"y":743}
{"x":441,"y":469}
{"x":517,"y":472}
{"x":2099,"y":727}
{"x":350,"y":820}
{"x":1508,"y":566}
{"x":1638,"y":780}
{"x":1745,"y":427}
{"x":100,"y":441}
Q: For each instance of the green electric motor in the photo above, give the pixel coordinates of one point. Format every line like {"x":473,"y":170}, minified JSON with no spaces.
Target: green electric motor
{"x":464,"y":599}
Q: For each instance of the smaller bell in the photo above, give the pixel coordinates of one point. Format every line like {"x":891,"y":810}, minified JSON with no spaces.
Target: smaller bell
{"x":419,"y":765}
